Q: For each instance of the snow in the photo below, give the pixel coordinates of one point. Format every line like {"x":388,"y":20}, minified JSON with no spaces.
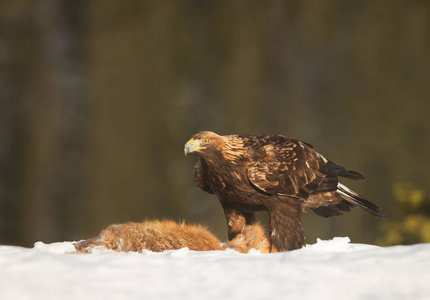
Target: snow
{"x":334,"y":269}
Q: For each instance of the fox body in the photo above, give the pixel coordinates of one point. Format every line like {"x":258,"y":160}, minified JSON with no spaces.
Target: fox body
{"x":163,"y":235}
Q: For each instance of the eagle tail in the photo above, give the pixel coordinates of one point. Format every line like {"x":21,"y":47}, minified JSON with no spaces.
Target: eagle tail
{"x":285,"y":227}
{"x":353,"y":198}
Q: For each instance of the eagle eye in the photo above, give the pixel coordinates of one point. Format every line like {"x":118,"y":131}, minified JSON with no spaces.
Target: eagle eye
{"x":206,"y":141}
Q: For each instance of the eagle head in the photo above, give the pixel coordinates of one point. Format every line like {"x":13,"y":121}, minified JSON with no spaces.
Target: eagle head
{"x":204,"y":143}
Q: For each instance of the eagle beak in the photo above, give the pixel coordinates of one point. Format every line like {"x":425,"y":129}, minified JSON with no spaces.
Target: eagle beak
{"x":189,"y":147}
{"x":192,"y":146}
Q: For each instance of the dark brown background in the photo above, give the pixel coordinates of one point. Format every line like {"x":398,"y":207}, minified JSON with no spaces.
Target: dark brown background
{"x":97,"y":99}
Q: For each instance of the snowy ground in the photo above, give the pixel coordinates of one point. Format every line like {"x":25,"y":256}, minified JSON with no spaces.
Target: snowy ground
{"x":334,"y":269}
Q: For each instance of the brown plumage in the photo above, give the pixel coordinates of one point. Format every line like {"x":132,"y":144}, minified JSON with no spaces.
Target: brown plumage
{"x":163,"y":235}
{"x":272,"y":173}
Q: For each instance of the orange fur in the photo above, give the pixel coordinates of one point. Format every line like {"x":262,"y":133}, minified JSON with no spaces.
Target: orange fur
{"x":251,"y":237}
{"x":163,"y":235}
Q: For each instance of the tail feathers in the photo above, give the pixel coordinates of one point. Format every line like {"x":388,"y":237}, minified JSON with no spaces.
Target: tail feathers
{"x":355,"y":199}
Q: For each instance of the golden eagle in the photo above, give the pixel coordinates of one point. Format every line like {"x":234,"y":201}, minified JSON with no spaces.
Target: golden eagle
{"x":272,"y":173}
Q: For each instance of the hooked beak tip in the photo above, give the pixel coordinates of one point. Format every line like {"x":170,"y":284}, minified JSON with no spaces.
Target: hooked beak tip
{"x":188,"y":148}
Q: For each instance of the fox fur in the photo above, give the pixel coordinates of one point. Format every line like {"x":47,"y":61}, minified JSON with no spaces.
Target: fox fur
{"x":163,"y":235}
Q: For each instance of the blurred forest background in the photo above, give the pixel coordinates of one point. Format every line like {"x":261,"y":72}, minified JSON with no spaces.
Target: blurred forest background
{"x":97,"y":99}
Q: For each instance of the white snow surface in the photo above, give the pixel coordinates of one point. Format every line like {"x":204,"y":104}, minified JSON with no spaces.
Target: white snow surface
{"x":334,"y":269}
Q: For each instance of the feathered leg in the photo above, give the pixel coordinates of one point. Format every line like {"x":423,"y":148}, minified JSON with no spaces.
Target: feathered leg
{"x":236,"y":221}
{"x":285,"y":228}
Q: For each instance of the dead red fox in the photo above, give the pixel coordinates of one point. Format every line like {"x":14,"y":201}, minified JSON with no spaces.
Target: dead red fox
{"x":163,"y":235}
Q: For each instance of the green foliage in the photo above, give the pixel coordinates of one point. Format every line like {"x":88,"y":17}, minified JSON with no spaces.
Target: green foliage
{"x":413,"y":226}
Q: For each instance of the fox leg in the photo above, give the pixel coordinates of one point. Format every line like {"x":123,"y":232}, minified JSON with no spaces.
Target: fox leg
{"x":86,"y":245}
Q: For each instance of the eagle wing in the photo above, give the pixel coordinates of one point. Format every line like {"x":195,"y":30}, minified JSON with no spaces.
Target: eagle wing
{"x":291,"y":167}
{"x":200,"y":179}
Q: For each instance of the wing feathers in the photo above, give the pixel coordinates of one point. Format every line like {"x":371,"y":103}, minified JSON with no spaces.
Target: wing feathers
{"x":291,"y":167}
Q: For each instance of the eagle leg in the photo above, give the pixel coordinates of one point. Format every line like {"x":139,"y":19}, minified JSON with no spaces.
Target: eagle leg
{"x":236,"y":221}
{"x":285,"y":227}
